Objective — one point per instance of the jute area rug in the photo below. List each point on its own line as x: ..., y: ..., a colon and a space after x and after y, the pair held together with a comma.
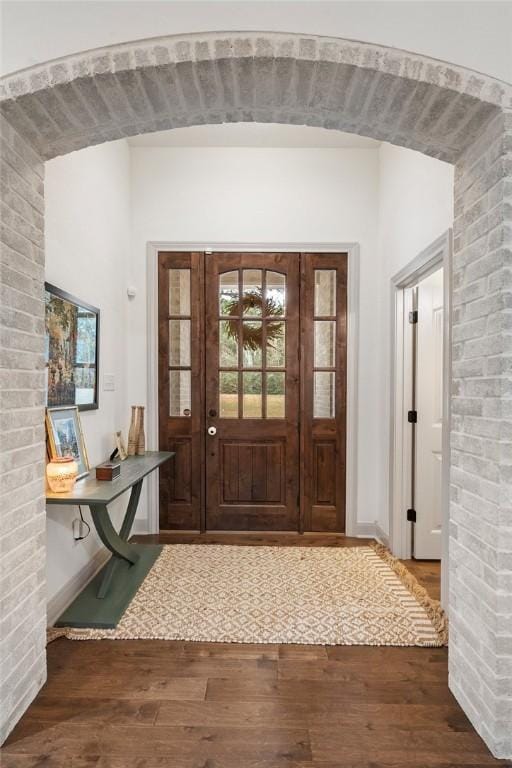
x: 318, y: 596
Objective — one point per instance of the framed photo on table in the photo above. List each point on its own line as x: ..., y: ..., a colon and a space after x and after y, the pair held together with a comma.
x: 72, y: 330
x: 65, y: 436
x: 120, y: 446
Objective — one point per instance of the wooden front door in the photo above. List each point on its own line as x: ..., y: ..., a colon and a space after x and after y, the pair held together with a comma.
x: 252, y: 391
x: 252, y: 370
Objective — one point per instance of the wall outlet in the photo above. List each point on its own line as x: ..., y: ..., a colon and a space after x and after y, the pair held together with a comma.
x: 109, y: 382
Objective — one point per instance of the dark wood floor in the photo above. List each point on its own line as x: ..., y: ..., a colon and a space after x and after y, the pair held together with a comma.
x: 155, y: 704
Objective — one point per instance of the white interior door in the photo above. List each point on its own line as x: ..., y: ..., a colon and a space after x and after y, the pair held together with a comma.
x: 429, y: 428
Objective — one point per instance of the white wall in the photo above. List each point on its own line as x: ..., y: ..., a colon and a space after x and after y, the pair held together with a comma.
x: 415, y: 204
x: 415, y: 207
x: 473, y: 34
x: 87, y: 243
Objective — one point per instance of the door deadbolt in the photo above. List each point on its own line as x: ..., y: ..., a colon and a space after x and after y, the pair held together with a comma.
x: 212, y: 431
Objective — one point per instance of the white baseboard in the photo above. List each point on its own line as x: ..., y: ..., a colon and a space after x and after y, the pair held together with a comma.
x: 365, y: 531
x: 140, y: 526
x: 381, y: 537
x: 372, y: 531
x: 65, y: 596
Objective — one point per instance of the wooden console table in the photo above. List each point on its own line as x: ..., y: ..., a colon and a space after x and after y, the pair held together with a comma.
x: 104, y: 600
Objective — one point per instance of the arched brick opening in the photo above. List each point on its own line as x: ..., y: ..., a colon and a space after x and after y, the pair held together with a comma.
x: 213, y: 78
x: 442, y: 110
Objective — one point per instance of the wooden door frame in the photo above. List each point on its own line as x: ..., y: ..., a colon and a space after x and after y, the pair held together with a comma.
x: 437, y: 254
x: 151, y: 503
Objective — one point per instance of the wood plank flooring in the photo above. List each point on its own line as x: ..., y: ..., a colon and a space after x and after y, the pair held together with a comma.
x: 157, y: 704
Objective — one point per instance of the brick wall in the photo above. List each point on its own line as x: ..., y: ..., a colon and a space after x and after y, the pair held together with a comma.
x: 481, y: 471
x: 22, y: 516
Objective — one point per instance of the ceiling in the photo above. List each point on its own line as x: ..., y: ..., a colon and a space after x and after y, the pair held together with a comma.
x: 253, y: 135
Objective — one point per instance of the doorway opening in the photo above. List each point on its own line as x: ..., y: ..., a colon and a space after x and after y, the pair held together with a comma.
x: 427, y: 418
x: 253, y: 390
x: 420, y: 406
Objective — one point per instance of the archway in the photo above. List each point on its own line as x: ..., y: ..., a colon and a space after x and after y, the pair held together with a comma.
x: 172, y: 82
x: 441, y: 110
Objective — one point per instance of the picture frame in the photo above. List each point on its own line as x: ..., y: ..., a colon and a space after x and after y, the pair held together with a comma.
x: 72, y: 332
x: 65, y: 436
x: 120, y: 445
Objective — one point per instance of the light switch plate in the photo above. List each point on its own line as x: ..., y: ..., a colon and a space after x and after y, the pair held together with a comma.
x: 109, y: 382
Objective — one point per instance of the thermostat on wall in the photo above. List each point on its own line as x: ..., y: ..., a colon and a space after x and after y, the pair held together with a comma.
x: 131, y: 291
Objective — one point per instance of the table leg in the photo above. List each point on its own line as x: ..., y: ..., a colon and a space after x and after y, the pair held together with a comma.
x: 118, y: 539
x: 103, y: 601
x: 133, y: 503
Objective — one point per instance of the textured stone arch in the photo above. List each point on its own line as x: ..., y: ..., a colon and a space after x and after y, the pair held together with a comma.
x: 171, y: 82
x: 442, y: 110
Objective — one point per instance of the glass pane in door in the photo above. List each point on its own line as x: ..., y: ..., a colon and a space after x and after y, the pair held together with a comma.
x: 325, y: 343
x: 179, y: 342
x: 228, y: 294
x: 252, y: 342
x: 180, y: 393
x: 179, y: 292
x: 228, y: 395
x: 228, y: 343
x: 324, y: 395
x: 325, y: 292
x: 276, y: 345
x: 276, y: 404
x: 275, y: 293
x: 252, y: 292
x: 252, y: 395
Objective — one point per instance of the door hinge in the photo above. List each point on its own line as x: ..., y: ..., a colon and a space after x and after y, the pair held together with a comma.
x: 412, y: 417
x: 411, y: 515
x: 413, y: 316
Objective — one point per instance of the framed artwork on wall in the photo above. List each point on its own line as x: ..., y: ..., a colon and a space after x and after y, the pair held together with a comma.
x: 72, y: 330
x: 65, y: 436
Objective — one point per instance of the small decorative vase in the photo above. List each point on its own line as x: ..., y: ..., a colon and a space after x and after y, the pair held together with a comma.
x: 61, y: 474
x: 141, y: 442
x: 133, y: 434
